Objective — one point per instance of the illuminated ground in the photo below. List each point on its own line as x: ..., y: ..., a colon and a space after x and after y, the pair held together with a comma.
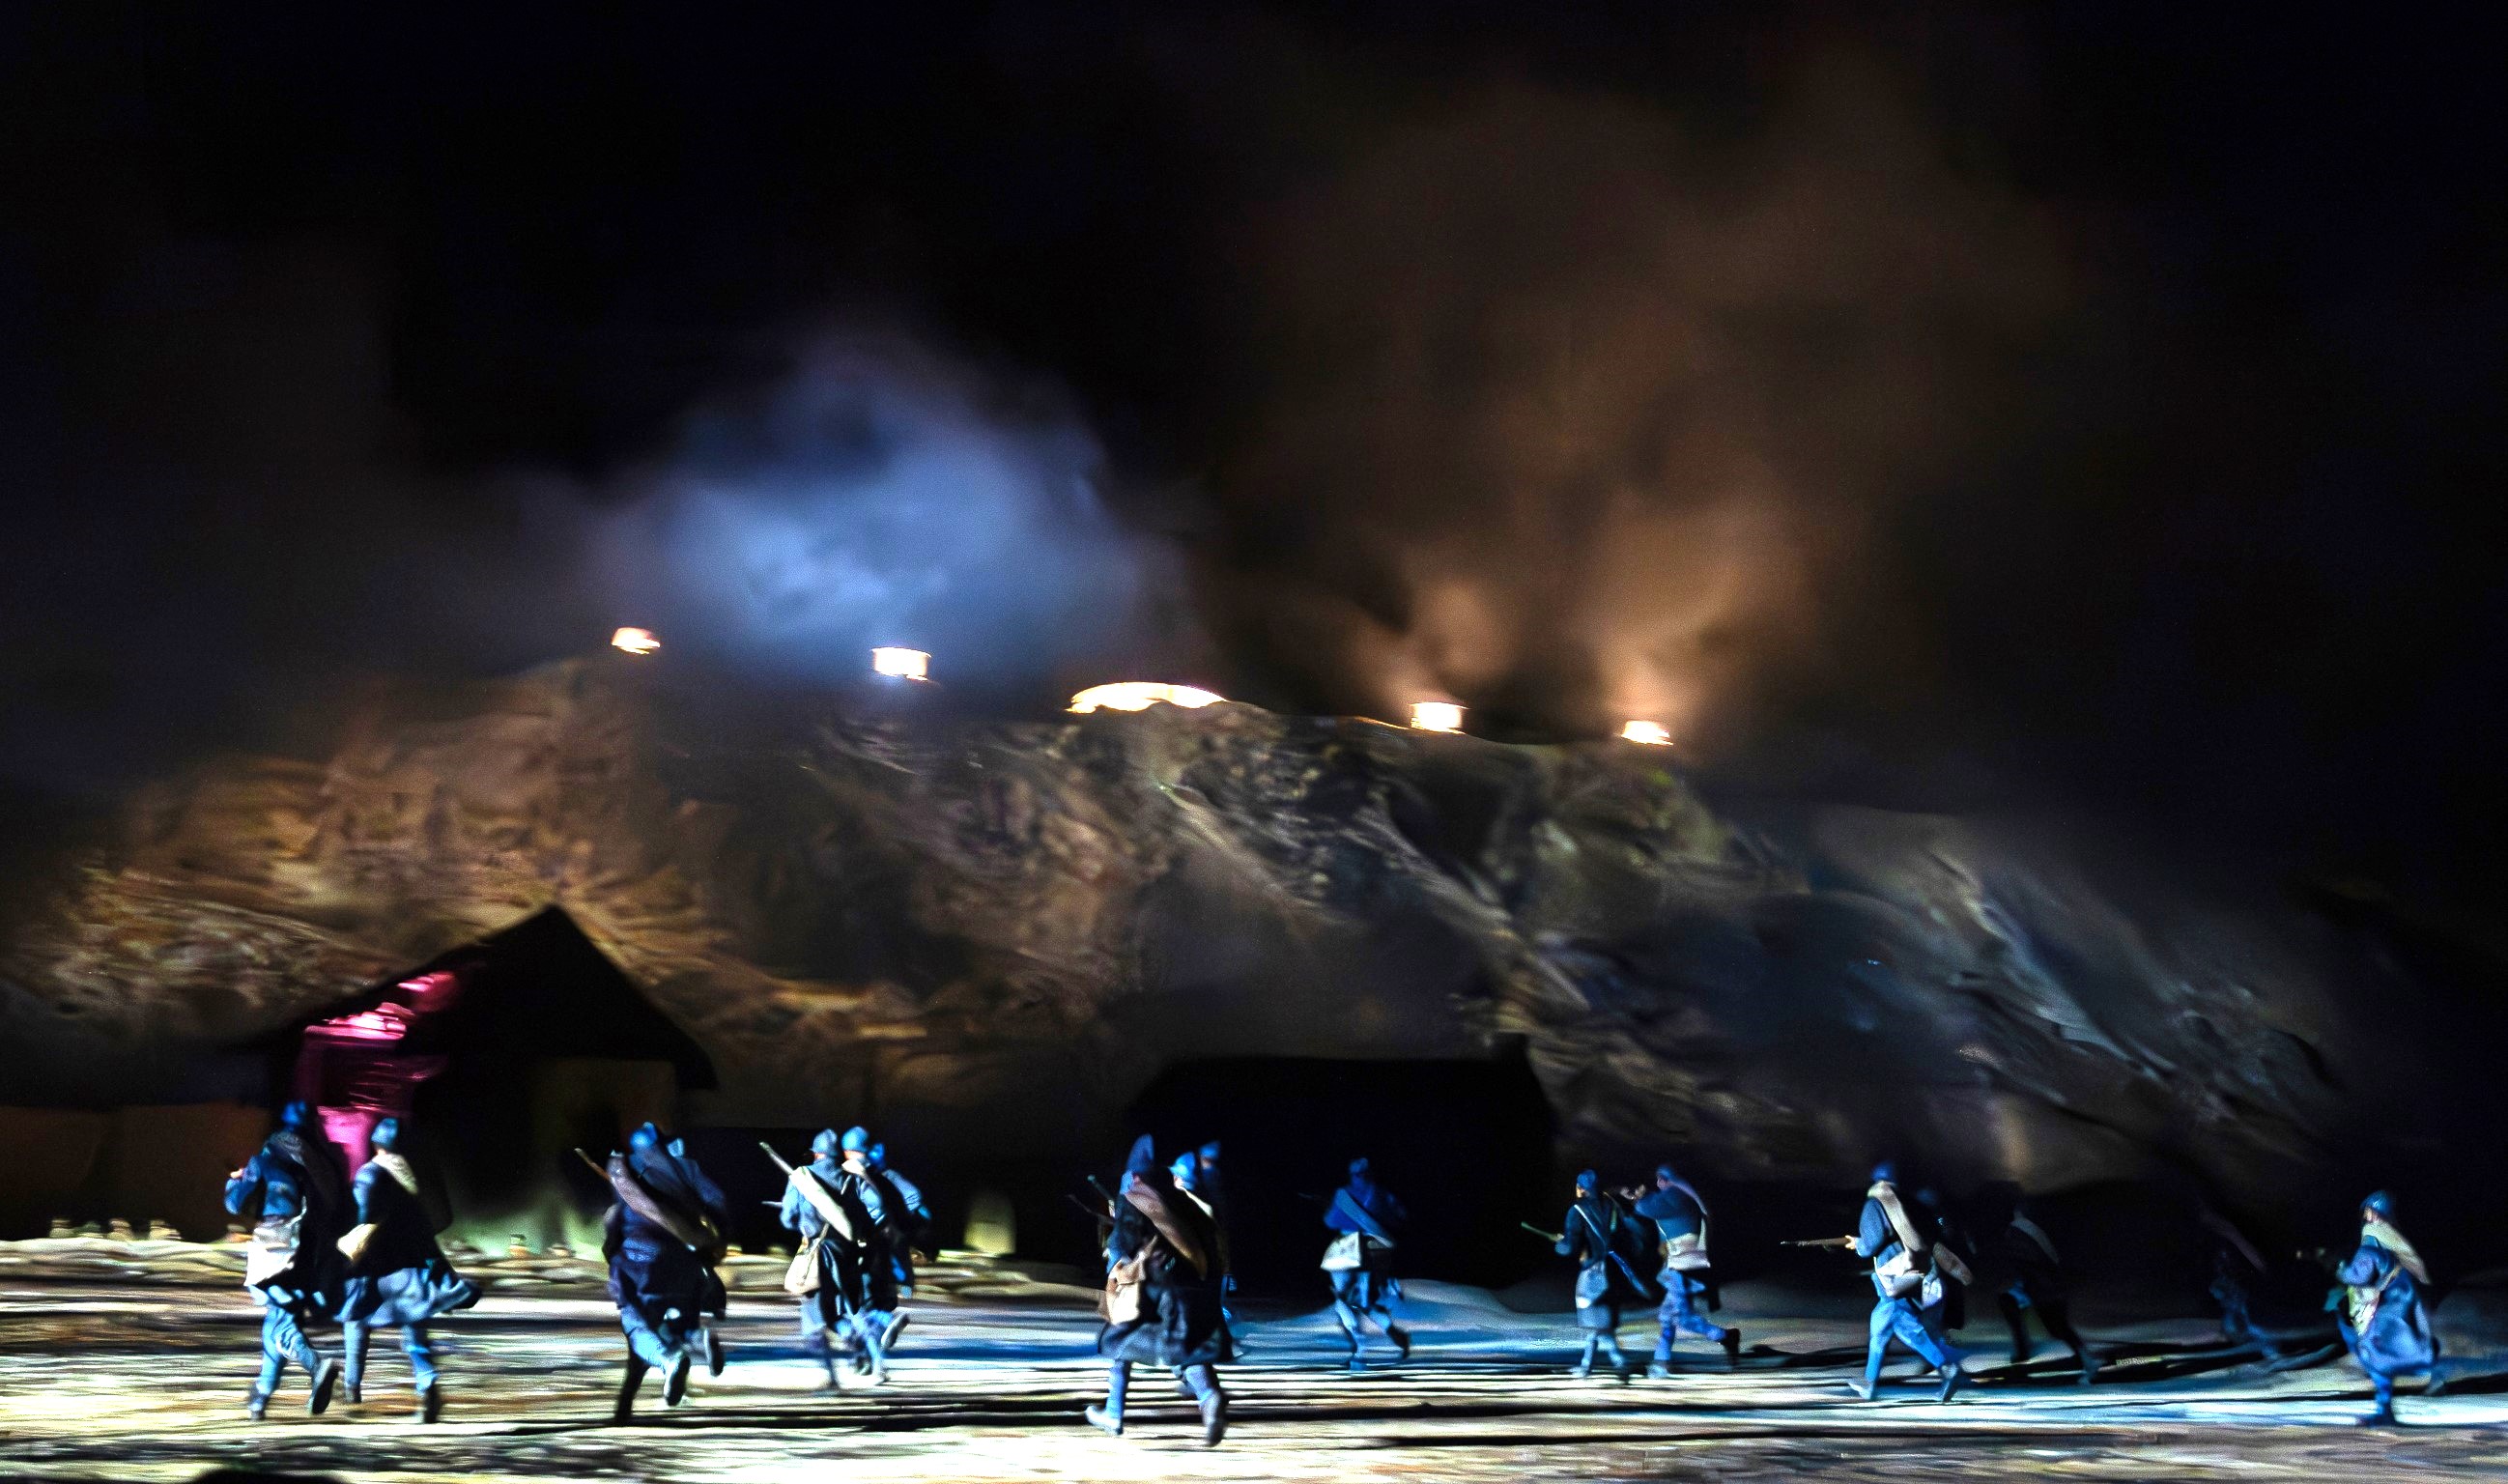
x: 108, y: 1379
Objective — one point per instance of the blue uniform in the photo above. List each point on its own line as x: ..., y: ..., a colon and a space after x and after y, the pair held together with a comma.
x: 2379, y: 1311
x: 1895, y: 1315
x: 855, y: 1288
x: 1677, y: 1214
x: 401, y: 1276
x: 1368, y: 1217
x: 293, y: 1188
x: 1167, y: 1246
x: 664, y: 1288
x: 1596, y: 1236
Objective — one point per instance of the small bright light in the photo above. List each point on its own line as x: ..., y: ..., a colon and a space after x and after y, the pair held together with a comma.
x: 1651, y: 734
x: 1436, y: 716
x: 635, y: 640
x: 904, y: 664
x: 1140, y: 695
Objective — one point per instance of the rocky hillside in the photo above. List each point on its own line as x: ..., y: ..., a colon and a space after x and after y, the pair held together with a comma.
x: 1000, y: 932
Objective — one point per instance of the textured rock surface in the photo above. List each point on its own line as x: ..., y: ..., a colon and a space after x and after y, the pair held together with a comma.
x: 1000, y: 932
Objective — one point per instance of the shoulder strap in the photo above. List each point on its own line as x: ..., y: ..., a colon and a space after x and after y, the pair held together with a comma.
x: 638, y: 1195
x: 1148, y: 1203
x: 823, y: 1201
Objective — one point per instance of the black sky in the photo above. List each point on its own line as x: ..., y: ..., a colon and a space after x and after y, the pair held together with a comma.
x: 2123, y: 384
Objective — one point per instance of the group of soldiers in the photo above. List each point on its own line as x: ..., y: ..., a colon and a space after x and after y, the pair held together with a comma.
x: 362, y: 1251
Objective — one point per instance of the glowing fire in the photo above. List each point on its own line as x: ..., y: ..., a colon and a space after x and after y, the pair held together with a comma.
x: 1651, y: 734
x: 1140, y: 695
x: 635, y: 640
x: 1436, y: 716
x: 902, y: 664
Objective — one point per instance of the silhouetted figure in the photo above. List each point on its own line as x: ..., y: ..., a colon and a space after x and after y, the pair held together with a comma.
x: 1679, y: 1220
x: 1163, y: 1295
x: 907, y: 1227
x: 293, y: 1188
x: 662, y: 1237
x: 2236, y: 1266
x: 1596, y: 1235
x: 841, y: 1274
x: 1368, y: 1216
x: 2020, y: 1261
x: 2378, y: 1307
x: 1902, y: 1267
x: 397, y: 1273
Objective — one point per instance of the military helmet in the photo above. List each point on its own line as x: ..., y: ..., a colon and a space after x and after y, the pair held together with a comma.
x: 823, y: 1142
x: 1885, y: 1172
x: 298, y: 1114
x: 387, y: 1135
x: 857, y: 1140
x: 2380, y: 1201
x: 644, y: 1137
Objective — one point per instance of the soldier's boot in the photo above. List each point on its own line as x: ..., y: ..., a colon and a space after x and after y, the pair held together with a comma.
x: 430, y: 1403
x: 1619, y: 1362
x: 896, y: 1327
x: 713, y: 1351
x: 1108, y: 1418
x: 256, y: 1404
x: 628, y: 1385
x: 352, y: 1356
x: 877, y: 1356
x: 1953, y: 1378
x: 1584, y: 1365
x: 326, y: 1380
x: 674, y: 1381
x: 1351, y: 1335
x: 1658, y: 1369
x: 2090, y: 1365
x: 1400, y: 1337
x: 1732, y: 1343
x: 1204, y: 1382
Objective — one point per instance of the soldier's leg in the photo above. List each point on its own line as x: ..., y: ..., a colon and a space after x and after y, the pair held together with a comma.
x: 2017, y: 1320
x: 2385, y: 1413
x: 274, y: 1363
x: 637, y: 1367
x: 2058, y: 1315
x: 1910, y: 1329
x: 1609, y: 1336
x: 1877, y: 1346
x: 324, y: 1374
x: 1584, y: 1365
x: 1203, y: 1381
x: 1379, y: 1304
x: 1109, y: 1417
x: 353, y: 1335
x: 644, y: 1341
x: 419, y: 1347
x: 866, y: 1326
x: 816, y: 1338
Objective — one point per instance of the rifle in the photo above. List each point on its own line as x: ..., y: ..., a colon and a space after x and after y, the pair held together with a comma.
x: 1538, y: 1232
x: 1845, y: 1243
x: 595, y: 1166
x: 777, y: 1157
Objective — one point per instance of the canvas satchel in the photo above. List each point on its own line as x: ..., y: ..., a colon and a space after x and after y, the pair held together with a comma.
x: 1126, y: 1283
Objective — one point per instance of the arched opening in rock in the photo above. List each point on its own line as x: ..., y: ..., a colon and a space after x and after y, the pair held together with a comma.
x: 1465, y: 1144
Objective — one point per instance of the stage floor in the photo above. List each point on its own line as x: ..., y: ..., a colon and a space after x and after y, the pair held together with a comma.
x: 104, y: 1380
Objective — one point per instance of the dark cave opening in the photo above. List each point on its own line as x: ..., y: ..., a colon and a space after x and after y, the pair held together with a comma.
x: 1465, y: 1144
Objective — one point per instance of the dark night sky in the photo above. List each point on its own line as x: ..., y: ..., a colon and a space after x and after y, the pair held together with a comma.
x: 1956, y: 407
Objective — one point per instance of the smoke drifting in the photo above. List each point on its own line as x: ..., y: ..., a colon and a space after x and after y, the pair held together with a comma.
x: 881, y: 496
x: 1578, y: 417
